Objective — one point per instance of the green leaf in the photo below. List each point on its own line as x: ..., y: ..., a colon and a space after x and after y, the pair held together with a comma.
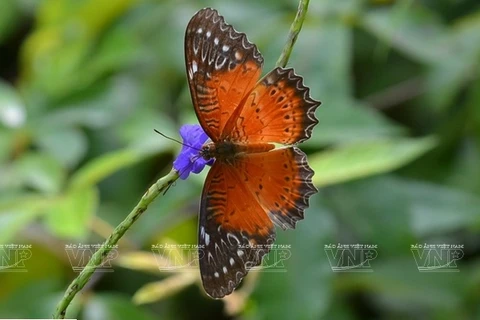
x: 322, y: 57
x: 17, y: 212
x: 448, y: 75
x: 139, y: 132
x: 404, y: 27
x: 64, y: 42
x: 439, y: 209
x: 41, y: 172
x: 160, y: 290
x: 118, y: 49
x: 344, y: 8
x: 41, y: 291
x: 410, y: 289
x: 406, y: 210
x: 71, y: 216
x: 349, y: 121
x: 364, y: 159
x: 324, y: 61
x: 452, y: 53
x: 98, y: 169
x: 105, y: 104
x: 370, y: 217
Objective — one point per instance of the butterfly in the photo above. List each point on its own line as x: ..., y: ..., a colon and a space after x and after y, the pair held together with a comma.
x: 259, y: 178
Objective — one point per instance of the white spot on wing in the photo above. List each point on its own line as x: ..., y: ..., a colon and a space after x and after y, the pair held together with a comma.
x: 232, y: 262
x: 238, y: 55
x: 215, y: 40
x: 209, y: 34
x: 216, y: 275
x: 225, y: 48
x: 200, y: 30
x: 194, y: 66
x: 207, y: 239
x: 224, y: 270
x: 240, y: 253
x: 205, y: 235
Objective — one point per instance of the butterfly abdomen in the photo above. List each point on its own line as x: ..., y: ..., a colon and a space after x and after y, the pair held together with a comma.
x: 254, y: 148
x: 228, y: 151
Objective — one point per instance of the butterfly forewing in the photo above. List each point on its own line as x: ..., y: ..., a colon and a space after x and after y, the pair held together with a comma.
x: 222, y: 68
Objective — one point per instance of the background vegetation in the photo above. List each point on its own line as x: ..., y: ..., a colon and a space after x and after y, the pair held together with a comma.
x: 396, y: 155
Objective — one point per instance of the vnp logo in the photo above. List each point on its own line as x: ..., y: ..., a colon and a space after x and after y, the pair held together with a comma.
x: 13, y: 257
x: 351, y: 257
x: 437, y: 257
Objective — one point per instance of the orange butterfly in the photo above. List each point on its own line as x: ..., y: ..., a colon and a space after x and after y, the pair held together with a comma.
x: 259, y: 177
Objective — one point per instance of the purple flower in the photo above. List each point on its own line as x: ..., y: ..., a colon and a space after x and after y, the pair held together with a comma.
x: 189, y: 159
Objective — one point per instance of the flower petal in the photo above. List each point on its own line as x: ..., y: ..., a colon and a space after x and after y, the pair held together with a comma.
x: 189, y: 159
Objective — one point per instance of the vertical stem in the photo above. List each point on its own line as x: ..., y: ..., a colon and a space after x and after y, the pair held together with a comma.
x: 293, y: 34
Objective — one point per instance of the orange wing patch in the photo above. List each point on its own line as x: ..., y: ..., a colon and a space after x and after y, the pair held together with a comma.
x: 228, y: 201
x: 279, y: 109
x: 219, y: 95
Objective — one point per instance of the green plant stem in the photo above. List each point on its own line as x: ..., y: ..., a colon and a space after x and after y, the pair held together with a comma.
x: 96, y: 260
x: 293, y: 33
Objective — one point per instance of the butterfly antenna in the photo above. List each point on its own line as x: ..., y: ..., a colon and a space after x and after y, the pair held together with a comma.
x: 177, y: 141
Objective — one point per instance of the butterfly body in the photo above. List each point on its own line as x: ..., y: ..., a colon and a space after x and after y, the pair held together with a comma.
x: 259, y: 179
x: 228, y: 151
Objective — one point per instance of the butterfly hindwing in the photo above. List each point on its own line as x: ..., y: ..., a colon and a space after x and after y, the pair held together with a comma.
x: 239, y: 203
x: 235, y: 230
x: 222, y: 68
x: 281, y: 181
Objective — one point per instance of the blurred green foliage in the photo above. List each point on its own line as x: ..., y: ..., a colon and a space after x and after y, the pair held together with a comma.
x: 396, y: 155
